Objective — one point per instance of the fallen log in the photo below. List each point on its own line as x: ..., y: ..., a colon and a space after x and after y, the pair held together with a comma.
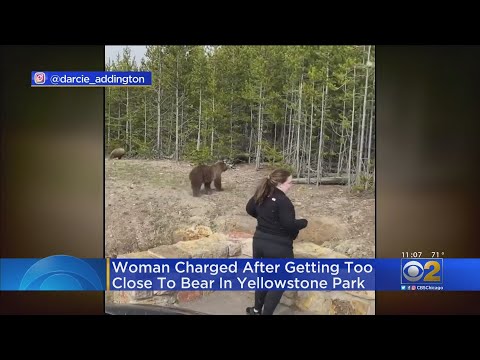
x: 323, y: 181
x: 327, y: 175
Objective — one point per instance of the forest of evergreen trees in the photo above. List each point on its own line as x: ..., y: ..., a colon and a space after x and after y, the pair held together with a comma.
x: 308, y: 108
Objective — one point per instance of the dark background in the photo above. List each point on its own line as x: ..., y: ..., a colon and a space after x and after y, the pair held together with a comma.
x: 427, y: 165
x: 52, y: 172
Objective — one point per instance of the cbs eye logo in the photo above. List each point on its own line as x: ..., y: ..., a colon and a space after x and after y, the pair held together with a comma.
x: 420, y: 271
x: 61, y: 272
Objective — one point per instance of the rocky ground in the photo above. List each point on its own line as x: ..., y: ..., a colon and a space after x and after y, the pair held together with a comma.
x: 151, y: 213
x: 147, y: 202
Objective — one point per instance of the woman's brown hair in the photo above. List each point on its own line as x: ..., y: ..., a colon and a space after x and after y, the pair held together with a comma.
x: 268, y: 185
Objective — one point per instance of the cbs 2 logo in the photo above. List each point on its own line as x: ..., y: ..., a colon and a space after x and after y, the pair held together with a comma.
x: 414, y: 271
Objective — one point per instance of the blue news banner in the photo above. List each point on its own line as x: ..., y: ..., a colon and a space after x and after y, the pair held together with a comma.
x: 90, y: 78
x: 67, y: 273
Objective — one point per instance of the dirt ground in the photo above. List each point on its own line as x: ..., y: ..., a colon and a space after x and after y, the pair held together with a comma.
x: 147, y: 200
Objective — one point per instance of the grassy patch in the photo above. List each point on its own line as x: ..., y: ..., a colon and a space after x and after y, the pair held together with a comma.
x: 144, y: 174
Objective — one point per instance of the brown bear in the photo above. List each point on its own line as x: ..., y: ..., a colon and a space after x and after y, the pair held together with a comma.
x: 204, y: 174
x: 117, y: 153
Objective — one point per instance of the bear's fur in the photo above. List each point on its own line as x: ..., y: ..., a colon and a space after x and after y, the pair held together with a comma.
x: 205, y: 174
x: 117, y: 153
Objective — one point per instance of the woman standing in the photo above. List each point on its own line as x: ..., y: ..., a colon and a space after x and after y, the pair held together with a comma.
x: 276, y: 229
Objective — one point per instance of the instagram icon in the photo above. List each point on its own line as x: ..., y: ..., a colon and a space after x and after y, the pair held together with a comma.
x: 39, y: 78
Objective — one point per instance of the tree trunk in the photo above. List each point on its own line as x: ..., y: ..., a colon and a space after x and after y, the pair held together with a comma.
x: 274, y: 135
x: 182, y: 123
x: 342, y: 142
x: 299, y: 116
x: 320, y: 141
x: 130, y: 134
x: 211, y: 141
x: 332, y: 141
x: 290, y: 130
x: 284, y: 126
x: 145, y: 123
x: 251, y: 135
x: 176, y: 115
x: 213, y: 125
x: 172, y: 115
x: 119, y: 124
x: 109, y: 116
x: 372, y: 109
x: 231, y: 128
x: 259, y: 132
x: 351, y: 133
x: 304, y: 156
x: 369, y: 150
x: 310, y: 138
x: 359, y: 158
x: 128, y: 127
x: 370, y: 138
x: 374, y: 177
x: 199, y: 121
x: 159, y: 116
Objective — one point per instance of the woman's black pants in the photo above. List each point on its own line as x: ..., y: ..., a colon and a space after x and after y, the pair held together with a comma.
x: 274, y: 247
